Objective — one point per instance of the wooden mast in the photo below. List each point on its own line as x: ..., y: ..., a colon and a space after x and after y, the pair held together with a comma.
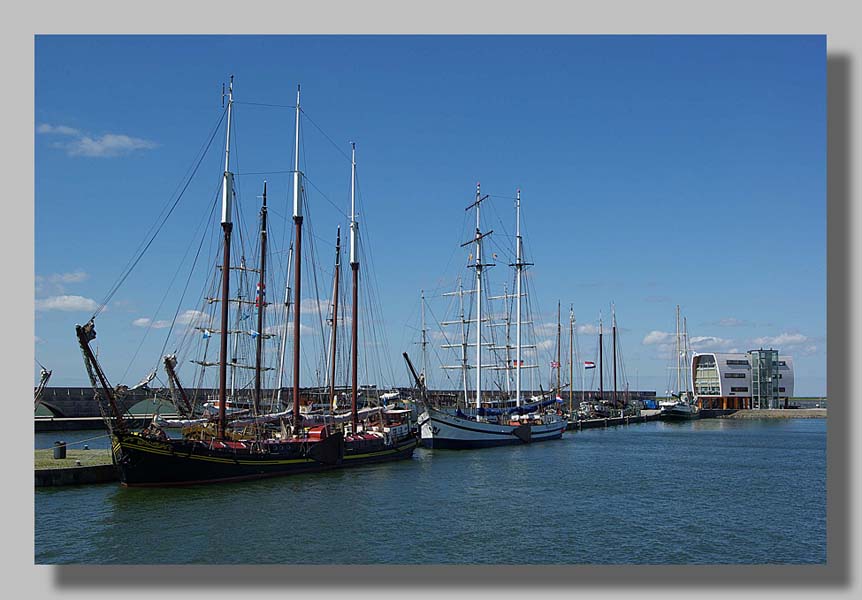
x: 558, y: 349
x: 297, y: 219
x: 260, y: 300
x: 354, y: 267
x: 332, y: 401
x: 227, y: 227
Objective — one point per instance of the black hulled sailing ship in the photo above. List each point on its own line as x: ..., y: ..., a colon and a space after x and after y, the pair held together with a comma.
x: 246, y: 442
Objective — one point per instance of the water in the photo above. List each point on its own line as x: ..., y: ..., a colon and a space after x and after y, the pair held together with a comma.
x: 714, y: 491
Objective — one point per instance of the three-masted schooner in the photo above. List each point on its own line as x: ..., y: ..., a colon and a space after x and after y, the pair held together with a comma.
x: 489, y: 424
x: 240, y: 443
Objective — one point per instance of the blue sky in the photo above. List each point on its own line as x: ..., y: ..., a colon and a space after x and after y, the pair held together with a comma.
x: 654, y: 171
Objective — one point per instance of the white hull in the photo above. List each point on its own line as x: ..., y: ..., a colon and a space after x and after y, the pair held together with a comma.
x: 442, y: 430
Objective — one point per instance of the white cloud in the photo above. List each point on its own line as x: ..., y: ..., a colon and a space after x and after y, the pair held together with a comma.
x: 195, y: 317
x: 55, y: 282
x: 657, y: 337
x: 709, y: 342
x: 588, y: 329
x: 57, y: 129
x: 108, y: 145
x: 546, y: 345
x: 67, y: 303
x: 732, y: 322
x: 314, y: 306
x: 784, y: 339
x: 103, y: 146
x: 145, y: 322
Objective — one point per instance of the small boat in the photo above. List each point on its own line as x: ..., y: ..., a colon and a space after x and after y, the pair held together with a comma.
x: 488, y: 423
x: 681, y: 407
x: 237, y: 439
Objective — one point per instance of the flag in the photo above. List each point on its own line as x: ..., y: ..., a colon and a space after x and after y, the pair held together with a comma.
x: 261, y: 292
x: 207, y: 334
x: 588, y: 364
x: 555, y: 364
x: 253, y: 334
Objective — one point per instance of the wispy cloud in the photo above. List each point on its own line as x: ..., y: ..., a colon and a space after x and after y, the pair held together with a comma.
x: 588, y: 329
x: 55, y: 283
x: 66, y: 303
x: 195, y: 318
x: 101, y: 146
x: 710, y: 342
x: 656, y: 337
x: 784, y: 339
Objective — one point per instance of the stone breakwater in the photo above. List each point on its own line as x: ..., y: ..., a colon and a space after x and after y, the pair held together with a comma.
x: 790, y: 413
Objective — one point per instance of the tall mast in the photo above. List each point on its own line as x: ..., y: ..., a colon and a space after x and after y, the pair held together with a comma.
x: 678, y: 370
x: 333, y: 340
x: 424, y: 340
x: 571, y: 357
x: 354, y: 267
x: 463, y: 341
x: 558, y: 348
x: 283, y: 352
x: 519, y: 265
x: 260, y: 300
x: 601, y: 368
x: 227, y: 227
x: 685, y: 353
x: 297, y: 268
x: 614, y: 331
x: 479, y: 267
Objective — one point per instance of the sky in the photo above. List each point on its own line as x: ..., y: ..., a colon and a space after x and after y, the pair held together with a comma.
x: 654, y: 171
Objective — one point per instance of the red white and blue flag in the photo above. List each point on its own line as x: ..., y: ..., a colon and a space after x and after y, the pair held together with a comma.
x: 555, y: 364
x: 588, y: 364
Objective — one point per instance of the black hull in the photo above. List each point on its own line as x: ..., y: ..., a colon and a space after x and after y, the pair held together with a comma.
x: 145, y: 462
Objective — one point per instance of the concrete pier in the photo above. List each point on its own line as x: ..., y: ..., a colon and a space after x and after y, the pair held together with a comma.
x: 79, y: 467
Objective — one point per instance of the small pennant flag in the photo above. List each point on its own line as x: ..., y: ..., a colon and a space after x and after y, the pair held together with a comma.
x: 555, y: 364
x: 253, y: 334
x: 588, y: 364
x: 207, y: 334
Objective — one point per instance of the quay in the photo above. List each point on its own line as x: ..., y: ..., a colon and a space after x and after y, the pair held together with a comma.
x: 76, y: 468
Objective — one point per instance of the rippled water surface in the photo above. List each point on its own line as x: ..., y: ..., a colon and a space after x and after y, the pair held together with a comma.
x: 711, y: 491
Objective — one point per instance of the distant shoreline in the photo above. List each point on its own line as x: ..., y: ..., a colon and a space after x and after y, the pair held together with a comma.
x: 778, y: 413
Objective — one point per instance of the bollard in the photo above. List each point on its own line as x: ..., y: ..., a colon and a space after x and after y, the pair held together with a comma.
x: 59, y: 449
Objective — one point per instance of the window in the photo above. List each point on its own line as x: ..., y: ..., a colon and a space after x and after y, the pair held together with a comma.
x: 739, y: 389
x: 782, y: 363
x: 781, y: 389
x: 737, y: 363
x: 734, y: 375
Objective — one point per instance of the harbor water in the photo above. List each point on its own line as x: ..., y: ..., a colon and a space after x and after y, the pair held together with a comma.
x: 712, y: 491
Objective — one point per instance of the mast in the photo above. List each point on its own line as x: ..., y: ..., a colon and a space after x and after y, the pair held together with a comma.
x: 614, y: 331
x: 571, y: 357
x: 227, y: 227
x: 297, y: 267
x: 685, y: 354
x: 678, y: 370
x: 463, y: 342
x: 601, y: 374
x: 354, y: 267
x: 260, y: 300
x: 424, y: 340
x: 283, y: 351
x: 334, y: 319
x: 519, y: 265
x: 558, y: 349
x: 479, y: 267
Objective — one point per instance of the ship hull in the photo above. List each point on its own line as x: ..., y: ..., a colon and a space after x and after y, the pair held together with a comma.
x: 677, y: 413
x: 440, y: 430
x: 146, y: 462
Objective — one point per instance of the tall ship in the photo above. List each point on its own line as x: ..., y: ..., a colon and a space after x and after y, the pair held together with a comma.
x: 483, y: 421
x: 248, y: 430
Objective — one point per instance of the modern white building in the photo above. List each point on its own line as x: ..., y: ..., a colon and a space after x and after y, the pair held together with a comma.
x: 756, y: 379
